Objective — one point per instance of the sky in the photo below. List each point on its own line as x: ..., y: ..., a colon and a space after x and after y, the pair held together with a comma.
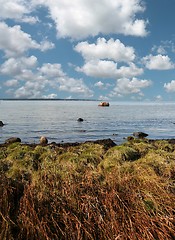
x: 109, y: 50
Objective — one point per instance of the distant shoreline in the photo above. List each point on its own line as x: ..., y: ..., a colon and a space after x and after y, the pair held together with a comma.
x: 46, y: 99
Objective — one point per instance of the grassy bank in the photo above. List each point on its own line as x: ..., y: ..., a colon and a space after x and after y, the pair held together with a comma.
x: 88, y: 191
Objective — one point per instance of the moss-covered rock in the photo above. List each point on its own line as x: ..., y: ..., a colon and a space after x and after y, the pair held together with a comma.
x: 117, y: 155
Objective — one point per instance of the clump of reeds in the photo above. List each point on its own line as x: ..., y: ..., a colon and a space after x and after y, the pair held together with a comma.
x: 86, y: 192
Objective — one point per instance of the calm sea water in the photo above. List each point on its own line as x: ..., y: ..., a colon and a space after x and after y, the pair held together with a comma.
x: 57, y: 120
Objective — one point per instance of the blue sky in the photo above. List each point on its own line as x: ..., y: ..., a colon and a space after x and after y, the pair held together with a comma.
x: 121, y: 50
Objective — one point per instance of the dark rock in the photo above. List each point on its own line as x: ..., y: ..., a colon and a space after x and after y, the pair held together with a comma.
x: 82, y: 130
x: 106, y: 143
x: 80, y: 120
x: 1, y: 124
x: 43, y: 140
x: 13, y: 140
x: 171, y: 141
x: 140, y: 134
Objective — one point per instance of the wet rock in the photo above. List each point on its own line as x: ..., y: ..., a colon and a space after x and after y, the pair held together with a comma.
x: 43, y: 140
x: 13, y: 140
x: 80, y: 120
x: 1, y: 124
x: 103, y: 104
x: 140, y: 134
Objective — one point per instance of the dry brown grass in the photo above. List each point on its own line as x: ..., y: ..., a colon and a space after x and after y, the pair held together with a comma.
x: 74, y: 195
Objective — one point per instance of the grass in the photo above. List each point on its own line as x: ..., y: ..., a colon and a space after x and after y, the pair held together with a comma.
x: 88, y: 191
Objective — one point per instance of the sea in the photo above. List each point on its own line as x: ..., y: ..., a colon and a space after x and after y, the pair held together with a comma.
x: 57, y: 120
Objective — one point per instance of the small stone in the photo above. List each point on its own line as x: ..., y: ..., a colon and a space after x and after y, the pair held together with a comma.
x: 43, y: 140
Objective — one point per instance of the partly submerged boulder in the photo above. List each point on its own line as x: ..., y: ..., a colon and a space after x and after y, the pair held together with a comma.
x: 103, y: 104
x: 140, y: 134
x: 1, y: 124
x: 80, y: 120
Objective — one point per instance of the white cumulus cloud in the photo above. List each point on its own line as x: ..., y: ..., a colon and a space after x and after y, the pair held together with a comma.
x: 125, y: 86
x: 28, y: 81
x: 31, y: 89
x: 99, y: 84
x: 112, y: 49
x: 52, y: 70
x: 109, y: 69
x: 102, y: 59
x: 14, y: 9
x: 79, y: 19
x: 99, y: 68
x: 50, y: 96
x: 158, y: 62
x: 74, y: 86
x: 18, y: 10
x: 14, y: 42
x: 11, y: 83
x: 17, y: 66
x: 170, y: 87
x: 46, y: 45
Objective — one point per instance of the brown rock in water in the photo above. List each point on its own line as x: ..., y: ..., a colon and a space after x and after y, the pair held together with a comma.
x: 103, y: 104
x: 43, y: 140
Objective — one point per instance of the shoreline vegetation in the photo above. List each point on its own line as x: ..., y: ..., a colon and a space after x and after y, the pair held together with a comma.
x: 95, y: 190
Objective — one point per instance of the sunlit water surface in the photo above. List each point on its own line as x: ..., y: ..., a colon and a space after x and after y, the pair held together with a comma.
x: 57, y: 120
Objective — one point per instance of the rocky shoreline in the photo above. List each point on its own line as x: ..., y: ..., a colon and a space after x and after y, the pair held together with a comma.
x: 107, y: 142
